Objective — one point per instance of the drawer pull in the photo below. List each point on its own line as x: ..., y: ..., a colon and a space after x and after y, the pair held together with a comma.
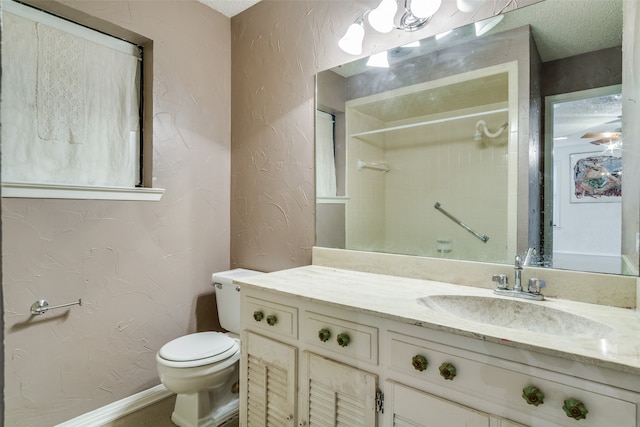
x: 343, y: 340
x: 447, y: 371
x: 533, y: 396
x: 272, y: 319
x: 575, y: 409
x: 324, y: 335
x: 419, y: 362
x: 258, y: 316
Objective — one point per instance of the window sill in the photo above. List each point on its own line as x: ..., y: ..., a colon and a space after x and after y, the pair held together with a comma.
x: 48, y: 191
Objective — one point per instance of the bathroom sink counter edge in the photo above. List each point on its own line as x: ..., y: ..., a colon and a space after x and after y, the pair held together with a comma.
x: 402, y: 299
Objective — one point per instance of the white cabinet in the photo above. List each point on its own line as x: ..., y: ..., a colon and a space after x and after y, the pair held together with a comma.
x: 308, y: 363
x: 413, y: 408
x: 335, y: 394
x: 268, y: 376
x: 409, y: 407
x: 502, y: 387
x: 278, y: 371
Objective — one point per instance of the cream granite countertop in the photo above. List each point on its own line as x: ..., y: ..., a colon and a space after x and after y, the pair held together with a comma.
x: 397, y: 298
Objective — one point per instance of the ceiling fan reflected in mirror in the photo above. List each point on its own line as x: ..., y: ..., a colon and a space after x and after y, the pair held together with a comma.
x: 604, y: 137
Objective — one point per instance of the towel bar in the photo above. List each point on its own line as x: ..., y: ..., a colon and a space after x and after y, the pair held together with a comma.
x: 42, y: 306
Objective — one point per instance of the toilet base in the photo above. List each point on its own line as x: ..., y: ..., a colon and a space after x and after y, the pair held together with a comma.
x: 192, y: 410
x: 195, y: 409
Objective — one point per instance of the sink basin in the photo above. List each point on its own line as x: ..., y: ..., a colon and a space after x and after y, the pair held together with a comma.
x: 517, y: 314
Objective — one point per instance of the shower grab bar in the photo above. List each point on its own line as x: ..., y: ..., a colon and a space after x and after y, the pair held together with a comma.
x: 42, y: 306
x: 460, y: 223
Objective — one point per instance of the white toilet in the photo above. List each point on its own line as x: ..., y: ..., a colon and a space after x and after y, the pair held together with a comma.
x: 202, y: 368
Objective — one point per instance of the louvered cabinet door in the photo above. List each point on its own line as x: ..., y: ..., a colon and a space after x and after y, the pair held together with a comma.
x: 268, y: 378
x: 336, y: 395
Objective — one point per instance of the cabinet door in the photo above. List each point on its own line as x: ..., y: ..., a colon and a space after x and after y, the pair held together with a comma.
x: 408, y: 407
x: 501, y: 422
x: 268, y: 382
x: 335, y: 394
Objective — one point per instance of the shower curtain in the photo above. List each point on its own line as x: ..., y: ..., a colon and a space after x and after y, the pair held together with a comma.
x: 325, y: 156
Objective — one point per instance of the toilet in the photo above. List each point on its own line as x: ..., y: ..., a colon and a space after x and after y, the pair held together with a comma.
x: 202, y: 368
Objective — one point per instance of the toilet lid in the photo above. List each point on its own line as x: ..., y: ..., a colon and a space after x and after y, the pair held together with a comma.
x: 196, y: 346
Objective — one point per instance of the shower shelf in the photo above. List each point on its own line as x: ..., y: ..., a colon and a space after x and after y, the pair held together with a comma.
x: 428, y: 122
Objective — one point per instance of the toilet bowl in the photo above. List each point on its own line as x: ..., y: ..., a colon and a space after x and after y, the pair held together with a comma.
x: 203, y: 368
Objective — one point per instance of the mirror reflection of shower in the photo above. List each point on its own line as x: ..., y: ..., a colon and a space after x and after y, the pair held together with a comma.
x: 483, y: 131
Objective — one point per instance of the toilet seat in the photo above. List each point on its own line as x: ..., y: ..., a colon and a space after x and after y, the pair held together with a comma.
x: 199, y: 349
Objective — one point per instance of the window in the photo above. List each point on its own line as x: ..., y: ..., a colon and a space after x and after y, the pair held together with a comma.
x: 71, y: 110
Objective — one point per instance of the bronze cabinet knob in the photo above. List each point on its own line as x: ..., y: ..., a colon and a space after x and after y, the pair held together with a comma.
x: 447, y: 371
x: 419, y: 362
x: 533, y: 396
x: 575, y: 409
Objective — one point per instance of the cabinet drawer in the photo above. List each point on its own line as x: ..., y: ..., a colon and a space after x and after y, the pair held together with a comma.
x: 272, y: 317
x: 341, y: 336
x: 505, y: 387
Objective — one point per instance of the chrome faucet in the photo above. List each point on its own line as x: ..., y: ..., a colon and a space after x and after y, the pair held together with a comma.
x: 533, y: 290
x: 517, y: 286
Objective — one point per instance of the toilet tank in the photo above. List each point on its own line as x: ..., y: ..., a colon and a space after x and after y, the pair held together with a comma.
x: 228, y: 297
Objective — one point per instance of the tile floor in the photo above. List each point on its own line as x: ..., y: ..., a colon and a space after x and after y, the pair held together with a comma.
x: 156, y: 415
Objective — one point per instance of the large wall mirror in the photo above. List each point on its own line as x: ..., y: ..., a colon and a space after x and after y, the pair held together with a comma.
x: 479, y: 146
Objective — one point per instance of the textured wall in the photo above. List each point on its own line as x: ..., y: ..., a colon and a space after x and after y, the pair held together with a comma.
x: 277, y: 47
x: 143, y: 269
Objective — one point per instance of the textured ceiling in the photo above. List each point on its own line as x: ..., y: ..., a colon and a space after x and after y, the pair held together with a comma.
x: 563, y: 28
x: 229, y: 7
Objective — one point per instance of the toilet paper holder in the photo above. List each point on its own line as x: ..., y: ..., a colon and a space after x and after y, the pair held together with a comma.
x: 42, y: 306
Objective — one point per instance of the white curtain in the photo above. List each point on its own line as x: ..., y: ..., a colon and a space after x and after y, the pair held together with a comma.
x: 70, y: 104
x: 325, y: 156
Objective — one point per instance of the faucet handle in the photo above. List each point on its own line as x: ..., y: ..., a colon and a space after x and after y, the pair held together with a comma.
x: 502, y: 281
x: 535, y: 285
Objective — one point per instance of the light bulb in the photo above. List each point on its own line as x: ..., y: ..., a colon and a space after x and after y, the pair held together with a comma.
x: 351, y: 42
x: 379, y: 60
x: 483, y: 27
x: 425, y: 8
x: 467, y: 6
x: 381, y: 18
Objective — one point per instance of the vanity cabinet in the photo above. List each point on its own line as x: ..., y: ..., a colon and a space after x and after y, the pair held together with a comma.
x: 336, y: 394
x: 306, y: 362
x: 278, y: 371
x: 415, y: 408
x: 504, y: 388
x: 270, y: 382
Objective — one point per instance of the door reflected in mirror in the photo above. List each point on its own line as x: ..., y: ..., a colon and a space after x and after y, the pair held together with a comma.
x: 584, y: 132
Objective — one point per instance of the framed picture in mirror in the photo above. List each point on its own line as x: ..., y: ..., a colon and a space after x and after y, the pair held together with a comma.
x: 596, y: 177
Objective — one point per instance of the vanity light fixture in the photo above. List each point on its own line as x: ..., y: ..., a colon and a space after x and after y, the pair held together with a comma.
x: 443, y: 35
x: 484, y: 26
x: 379, y: 60
x: 412, y: 44
x: 351, y: 42
x: 381, y: 18
x: 415, y: 15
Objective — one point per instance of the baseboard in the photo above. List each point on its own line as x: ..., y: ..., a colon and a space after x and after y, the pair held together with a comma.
x: 119, y: 409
